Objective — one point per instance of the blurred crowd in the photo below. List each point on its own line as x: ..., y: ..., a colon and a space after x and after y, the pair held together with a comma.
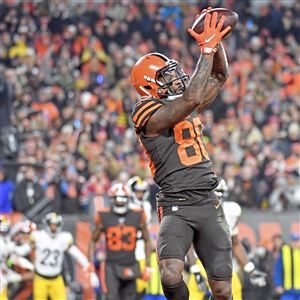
x: 66, y: 98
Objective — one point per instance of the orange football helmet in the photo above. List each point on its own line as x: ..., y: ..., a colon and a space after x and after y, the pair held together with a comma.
x: 148, y: 75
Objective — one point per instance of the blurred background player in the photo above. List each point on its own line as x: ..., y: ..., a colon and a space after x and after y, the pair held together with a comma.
x: 232, y: 212
x: 140, y: 196
x: 140, y: 199
x: 8, y: 257
x: 49, y: 245
x: 20, y: 236
x: 120, y: 225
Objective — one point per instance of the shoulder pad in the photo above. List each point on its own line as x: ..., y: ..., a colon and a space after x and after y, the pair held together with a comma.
x: 67, y: 237
x: 143, y: 111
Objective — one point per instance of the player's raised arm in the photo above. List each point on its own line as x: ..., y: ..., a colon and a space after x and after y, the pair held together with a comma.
x: 218, y: 77
x: 169, y: 80
x: 171, y: 113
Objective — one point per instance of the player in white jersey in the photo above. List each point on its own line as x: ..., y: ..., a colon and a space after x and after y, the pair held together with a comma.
x: 140, y: 196
x: 139, y: 199
x: 49, y: 246
x: 9, y: 254
x: 233, y: 211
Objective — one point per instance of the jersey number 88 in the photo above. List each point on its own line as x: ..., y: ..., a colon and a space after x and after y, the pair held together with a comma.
x: 193, y: 140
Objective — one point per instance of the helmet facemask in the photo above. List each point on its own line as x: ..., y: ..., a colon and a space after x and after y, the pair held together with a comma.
x: 53, y: 219
x: 141, y: 192
x: 154, y: 74
x: 139, y: 189
x: 119, y: 195
x: 166, y: 76
x: 120, y: 205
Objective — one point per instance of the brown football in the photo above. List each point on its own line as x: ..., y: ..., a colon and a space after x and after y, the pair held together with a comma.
x: 231, y: 19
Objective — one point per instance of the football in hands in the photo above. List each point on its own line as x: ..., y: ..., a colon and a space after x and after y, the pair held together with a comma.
x: 231, y: 19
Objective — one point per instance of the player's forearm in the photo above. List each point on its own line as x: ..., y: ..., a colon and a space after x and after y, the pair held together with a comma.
x: 79, y: 256
x: 220, y: 65
x: 148, y: 253
x: 195, y: 91
x: 177, y: 110
x: 21, y: 262
x: 22, y: 250
x: 239, y: 252
x: 219, y: 75
x: 148, y: 248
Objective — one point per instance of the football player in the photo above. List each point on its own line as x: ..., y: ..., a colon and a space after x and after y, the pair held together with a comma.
x: 232, y: 212
x: 140, y: 199
x: 8, y: 257
x: 140, y: 196
x: 167, y: 123
x: 20, y: 235
x: 120, y: 225
x: 49, y: 245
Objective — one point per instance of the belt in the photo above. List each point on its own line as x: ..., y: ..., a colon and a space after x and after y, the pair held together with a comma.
x: 47, y: 277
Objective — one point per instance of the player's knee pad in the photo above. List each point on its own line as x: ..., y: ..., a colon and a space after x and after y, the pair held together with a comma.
x: 221, y: 271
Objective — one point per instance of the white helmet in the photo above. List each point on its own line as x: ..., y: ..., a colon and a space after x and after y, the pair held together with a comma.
x: 120, y: 195
x: 139, y: 188
x: 53, y: 218
x: 222, y: 189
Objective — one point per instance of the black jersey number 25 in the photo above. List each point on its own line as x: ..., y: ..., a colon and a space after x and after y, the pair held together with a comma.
x: 50, y: 257
x: 193, y: 140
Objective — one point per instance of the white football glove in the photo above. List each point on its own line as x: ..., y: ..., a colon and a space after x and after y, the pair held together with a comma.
x: 256, y: 277
x: 94, y: 280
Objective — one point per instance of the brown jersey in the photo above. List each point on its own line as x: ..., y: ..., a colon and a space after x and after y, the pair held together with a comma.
x: 178, y: 159
x: 121, y: 234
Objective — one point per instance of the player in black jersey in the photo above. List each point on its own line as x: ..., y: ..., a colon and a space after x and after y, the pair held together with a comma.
x: 120, y: 225
x: 167, y: 123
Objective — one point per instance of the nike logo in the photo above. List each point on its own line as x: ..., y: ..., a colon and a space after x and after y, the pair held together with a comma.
x: 218, y: 205
x: 208, y: 40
